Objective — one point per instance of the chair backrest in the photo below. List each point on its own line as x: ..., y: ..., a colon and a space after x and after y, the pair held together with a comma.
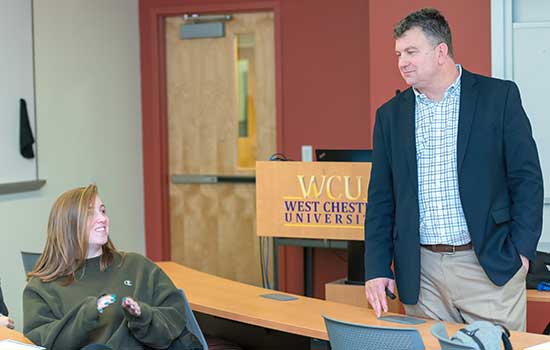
x: 192, y: 323
x: 346, y: 336
x: 29, y: 260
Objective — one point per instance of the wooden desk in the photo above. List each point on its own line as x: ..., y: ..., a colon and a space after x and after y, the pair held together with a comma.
x: 13, y: 335
x: 232, y: 300
x: 535, y: 295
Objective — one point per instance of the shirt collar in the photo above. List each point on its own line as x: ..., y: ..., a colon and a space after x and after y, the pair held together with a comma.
x: 453, y: 89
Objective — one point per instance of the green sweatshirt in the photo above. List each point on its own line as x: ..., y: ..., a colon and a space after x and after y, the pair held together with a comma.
x: 66, y: 317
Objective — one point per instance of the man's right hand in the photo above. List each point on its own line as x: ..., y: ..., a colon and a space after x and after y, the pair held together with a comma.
x: 375, y: 290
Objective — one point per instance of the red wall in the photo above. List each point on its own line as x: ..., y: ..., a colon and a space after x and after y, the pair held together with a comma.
x: 537, y: 316
x: 325, y: 66
x: 325, y: 73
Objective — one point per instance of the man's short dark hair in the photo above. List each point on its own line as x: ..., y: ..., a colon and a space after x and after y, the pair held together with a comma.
x: 431, y: 22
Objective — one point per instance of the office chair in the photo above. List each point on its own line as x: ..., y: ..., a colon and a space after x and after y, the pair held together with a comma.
x: 29, y: 260
x: 192, y: 323
x: 347, y: 336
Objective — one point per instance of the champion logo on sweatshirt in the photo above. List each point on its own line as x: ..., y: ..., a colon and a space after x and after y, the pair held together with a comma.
x: 128, y: 283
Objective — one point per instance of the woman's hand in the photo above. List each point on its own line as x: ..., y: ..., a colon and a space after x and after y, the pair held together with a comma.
x: 5, y: 321
x: 104, y: 301
x: 131, y: 306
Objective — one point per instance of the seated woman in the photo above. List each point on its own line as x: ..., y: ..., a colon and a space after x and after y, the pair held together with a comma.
x: 83, y: 291
x: 5, y: 321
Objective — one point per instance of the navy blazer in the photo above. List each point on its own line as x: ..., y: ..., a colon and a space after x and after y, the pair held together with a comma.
x: 499, y: 179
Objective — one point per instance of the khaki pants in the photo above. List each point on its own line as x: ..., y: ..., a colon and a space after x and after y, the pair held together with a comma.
x: 454, y: 287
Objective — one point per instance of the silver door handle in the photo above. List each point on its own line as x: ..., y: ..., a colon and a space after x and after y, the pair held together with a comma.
x: 212, y: 179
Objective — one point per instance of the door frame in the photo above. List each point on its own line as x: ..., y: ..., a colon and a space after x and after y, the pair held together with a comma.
x: 502, y: 39
x: 154, y: 106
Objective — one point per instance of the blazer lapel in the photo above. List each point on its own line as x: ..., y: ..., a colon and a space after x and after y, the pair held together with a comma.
x: 408, y: 119
x: 468, y: 98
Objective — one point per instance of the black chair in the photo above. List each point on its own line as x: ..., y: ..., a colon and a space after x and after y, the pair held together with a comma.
x: 350, y: 336
x: 29, y: 260
x: 192, y: 323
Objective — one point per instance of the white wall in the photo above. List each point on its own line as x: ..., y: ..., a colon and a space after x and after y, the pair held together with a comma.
x: 519, y: 53
x: 88, y: 127
x: 16, y: 70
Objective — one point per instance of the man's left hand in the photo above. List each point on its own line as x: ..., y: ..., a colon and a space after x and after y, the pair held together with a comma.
x: 524, y: 262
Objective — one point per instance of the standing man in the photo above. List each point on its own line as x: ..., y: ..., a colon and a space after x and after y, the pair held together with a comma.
x: 456, y: 194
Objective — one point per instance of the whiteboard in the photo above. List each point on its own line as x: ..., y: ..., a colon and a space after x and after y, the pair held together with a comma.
x: 531, y: 67
x: 16, y: 82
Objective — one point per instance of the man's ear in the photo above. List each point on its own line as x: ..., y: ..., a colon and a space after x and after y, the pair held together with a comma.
x: 442, y: 51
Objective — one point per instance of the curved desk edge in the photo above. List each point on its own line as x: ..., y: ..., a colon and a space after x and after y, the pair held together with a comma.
x: 237, y: 301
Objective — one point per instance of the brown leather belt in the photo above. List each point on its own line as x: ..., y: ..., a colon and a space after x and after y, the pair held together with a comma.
x: 444, y: 248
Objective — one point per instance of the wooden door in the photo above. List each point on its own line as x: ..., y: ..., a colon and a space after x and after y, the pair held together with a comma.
x: 213, y: 225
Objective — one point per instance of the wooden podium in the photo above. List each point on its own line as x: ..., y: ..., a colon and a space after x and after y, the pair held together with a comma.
x: 316, y: 200
x: 313, y: 205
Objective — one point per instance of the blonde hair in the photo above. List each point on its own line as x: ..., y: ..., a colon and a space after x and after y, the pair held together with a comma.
x: 67, y: 242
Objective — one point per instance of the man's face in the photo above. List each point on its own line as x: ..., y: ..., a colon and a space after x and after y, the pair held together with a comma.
x: 417, y: 58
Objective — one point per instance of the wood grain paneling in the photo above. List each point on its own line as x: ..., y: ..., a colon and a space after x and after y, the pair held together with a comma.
x: 213, y: 225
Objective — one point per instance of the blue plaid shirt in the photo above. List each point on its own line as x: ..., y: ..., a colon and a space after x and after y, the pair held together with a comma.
x: 442, y: 219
